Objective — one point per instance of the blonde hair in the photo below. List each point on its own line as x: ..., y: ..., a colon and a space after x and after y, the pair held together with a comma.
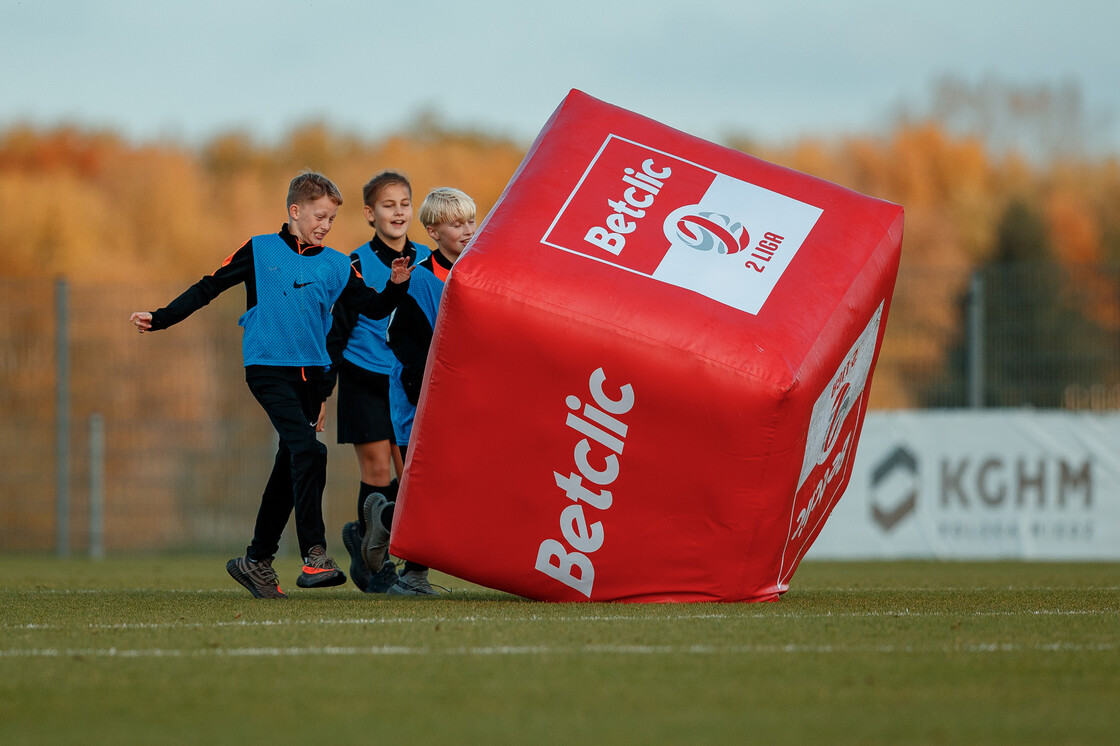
x: 310, y: 186
x: 446, y: 205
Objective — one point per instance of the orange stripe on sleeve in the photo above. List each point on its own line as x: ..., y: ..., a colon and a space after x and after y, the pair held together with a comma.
x: 229, y: 258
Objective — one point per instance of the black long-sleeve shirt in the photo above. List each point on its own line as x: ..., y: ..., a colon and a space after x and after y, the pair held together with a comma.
x: 410, y: 334
x: 238, y: 268
x: 346, y: 316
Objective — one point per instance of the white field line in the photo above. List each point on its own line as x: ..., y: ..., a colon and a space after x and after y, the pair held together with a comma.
x: 592, y: 618
x: 240, y: 592
x: 637, y: 650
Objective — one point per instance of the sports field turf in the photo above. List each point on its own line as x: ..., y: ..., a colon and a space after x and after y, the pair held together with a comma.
x: 170, y: 650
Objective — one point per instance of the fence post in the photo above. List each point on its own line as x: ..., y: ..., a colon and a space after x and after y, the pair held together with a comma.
x: 62, y: 418
x: 96, y: 486
x: 976, y: 341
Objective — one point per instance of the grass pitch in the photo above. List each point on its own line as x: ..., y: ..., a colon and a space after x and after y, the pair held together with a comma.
x: 171, y: 650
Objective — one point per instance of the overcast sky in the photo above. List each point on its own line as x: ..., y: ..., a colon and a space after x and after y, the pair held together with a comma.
x: 775, y: 71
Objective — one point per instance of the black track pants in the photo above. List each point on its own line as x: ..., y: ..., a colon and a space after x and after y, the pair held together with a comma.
x: 299, y: 473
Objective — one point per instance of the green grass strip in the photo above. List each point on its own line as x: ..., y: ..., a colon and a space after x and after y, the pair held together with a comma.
x: 170, y: 650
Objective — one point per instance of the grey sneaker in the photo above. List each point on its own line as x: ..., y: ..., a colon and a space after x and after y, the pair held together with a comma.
x: 413, y: 583
x: 319, y: 570
x: 381, y: 582
x: 375, y: 544
x: 352, y: 540
x: 257, y: 576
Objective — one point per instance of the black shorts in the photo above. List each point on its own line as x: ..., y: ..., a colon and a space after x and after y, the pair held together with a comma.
x: 363, y: 405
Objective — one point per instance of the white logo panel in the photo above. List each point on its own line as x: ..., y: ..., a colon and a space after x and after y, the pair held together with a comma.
x: 735, y: 244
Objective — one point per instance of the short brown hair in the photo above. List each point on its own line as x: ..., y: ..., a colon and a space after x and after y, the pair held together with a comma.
x: 373, y: 187
x: 310, y: 186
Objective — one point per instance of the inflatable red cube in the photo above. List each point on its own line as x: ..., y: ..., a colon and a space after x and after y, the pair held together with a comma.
x: 649, y: 372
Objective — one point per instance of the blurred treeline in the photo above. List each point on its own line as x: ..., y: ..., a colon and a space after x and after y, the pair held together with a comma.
x: 92, y: 205
x: 1009, y: 198
x: 992, y: 177
x: 1011, y: 249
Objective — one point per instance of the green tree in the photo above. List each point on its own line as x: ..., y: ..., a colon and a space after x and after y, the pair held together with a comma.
x: 1035, y: 339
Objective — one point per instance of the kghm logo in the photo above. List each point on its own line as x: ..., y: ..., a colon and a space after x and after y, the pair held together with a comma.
x: 894, y: 488
x: 707, y: 231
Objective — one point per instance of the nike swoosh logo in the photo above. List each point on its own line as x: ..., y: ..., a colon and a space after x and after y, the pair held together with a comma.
x: 298, y: 285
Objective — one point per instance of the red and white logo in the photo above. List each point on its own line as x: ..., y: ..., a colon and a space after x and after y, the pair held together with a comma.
x: 830, y: 413
x: 829, y: 446
x: 705, y: 230
x: 656, y: 214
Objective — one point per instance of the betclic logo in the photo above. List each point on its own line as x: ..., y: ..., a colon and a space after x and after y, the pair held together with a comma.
x: 656, y: 214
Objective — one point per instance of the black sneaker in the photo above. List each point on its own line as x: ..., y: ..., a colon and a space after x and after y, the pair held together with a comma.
x: 256, y: 575
x: 383, y: 580
x: 319, y: 570
x: 352, y: 540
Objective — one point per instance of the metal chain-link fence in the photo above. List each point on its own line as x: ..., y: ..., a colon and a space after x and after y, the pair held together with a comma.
x: 114, y: 441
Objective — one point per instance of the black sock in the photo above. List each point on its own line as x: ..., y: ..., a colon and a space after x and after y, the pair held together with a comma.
x: 364, y: 491
x: 387, y: 516
x: 410, y: 566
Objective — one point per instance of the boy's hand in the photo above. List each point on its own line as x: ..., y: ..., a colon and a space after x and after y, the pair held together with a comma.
x: 400, y: 271
x: 142, y: 320
x: 321, y: 423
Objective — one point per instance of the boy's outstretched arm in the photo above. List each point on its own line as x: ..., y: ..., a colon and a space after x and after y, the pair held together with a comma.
x: 234, y: 270
x: 142, y: 320
x: 367, y: 301
x: 343, y: 319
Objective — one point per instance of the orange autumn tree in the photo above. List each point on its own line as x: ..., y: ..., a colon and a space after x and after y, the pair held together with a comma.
x: 100, y: 209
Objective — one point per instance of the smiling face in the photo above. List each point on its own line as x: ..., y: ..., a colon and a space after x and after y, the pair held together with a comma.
x: 452, y: 237
x: 390, y: 214
x: 310, y: 222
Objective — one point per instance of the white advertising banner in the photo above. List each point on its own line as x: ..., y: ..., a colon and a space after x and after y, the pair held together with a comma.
x: 980, y: 485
